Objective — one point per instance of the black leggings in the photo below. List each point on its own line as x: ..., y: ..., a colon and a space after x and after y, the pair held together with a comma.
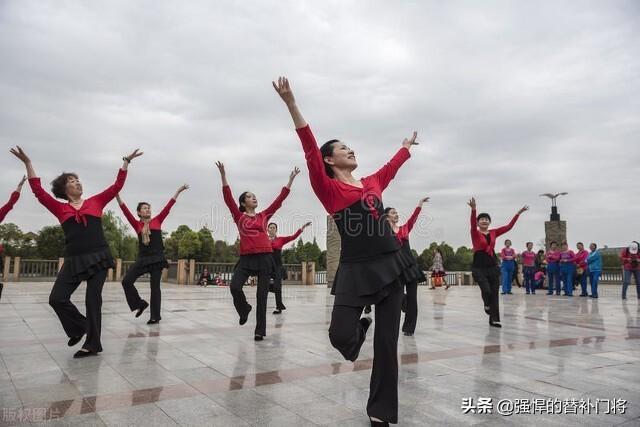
x: 488, y: 278
x: 74, y: 323
x: 347, y: 335
x: 240, y: 276
x: 131, y: 293
x: 277, y: 287
x: 411, y: 315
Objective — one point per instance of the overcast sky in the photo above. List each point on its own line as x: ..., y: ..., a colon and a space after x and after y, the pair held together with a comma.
x: 510, y: 99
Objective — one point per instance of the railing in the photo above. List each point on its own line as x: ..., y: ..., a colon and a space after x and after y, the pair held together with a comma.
x: 321, y: 278
x: 225, y: 272
x: 38, y: 269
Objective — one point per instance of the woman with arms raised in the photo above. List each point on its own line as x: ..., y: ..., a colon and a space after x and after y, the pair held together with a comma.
x: 371, y: 264
x: 256, y: 257
x: 151, y: 257
x: 86, y: 252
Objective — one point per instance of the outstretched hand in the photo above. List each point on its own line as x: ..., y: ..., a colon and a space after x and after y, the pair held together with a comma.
x: 523, y: 209
x: 21, y: 183
x: 472, y: 203
x: 182, y: 188
x: 307, y: 224
x: 283, y: 89
x: 220, y: 166
x: 423, y: 201
x: 20, y: 154
x: 136, y: 153
x: 408, y: 142
x: 294, y: 173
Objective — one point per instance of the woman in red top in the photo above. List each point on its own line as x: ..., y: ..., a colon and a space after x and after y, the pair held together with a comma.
x: 255, y: 249
x: 4, y: 210
x: 412, y: 276
x: 371, y: 264
x: 277, y: 242
x: 151, y: 257
x: 86, y: 252
x: 485, y: 269
x: 630, y: 257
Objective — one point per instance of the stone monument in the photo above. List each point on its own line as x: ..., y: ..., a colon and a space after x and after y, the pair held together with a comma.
x: 555, y: 230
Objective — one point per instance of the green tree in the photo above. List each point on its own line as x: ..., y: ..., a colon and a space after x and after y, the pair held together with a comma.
x: 207, y: 245
x: 50, y: 242
x: 115, y: 231
x: 189, y: 245
x: 11, y: 238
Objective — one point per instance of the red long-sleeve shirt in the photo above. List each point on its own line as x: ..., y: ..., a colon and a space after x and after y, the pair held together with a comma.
x: 92, y: 206
x: 9, y: 205
x: 278, y: 242
x: 403, y: 232
x: 253, y: 229
x: 581, y: 258
x: 628, y: 259
x: 156, y: 221
x: 568, y: 256
x: 478, y: 239
x: 336, y: 195
x: 552, y: 256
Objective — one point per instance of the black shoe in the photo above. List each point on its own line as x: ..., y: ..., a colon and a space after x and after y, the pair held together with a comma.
x: 408, y: 334
x: 503, y: 293
x: 487, y: 309
x: 277, y: 311
x: 495, y: 324
x: 152, y: 321
x: 282, y: 307
x: 378, y: 423
x: 74, y: 340
x: 1, y: 287
x: 143, y: 307
x: 366, y: 323
x: 81, y: 354
x: 367, y: 309
x: 245, y: 316
x: 403, y: 307
x: 510, y: 293
x: 258, y: 337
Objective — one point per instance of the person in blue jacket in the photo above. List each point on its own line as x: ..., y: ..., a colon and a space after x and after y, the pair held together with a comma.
x: 594, y: 266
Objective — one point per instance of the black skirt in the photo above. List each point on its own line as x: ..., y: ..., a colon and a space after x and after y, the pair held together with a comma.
x: 358, y: 284
x: 81, y: 267
x: 257, y: 263
x: 146, y: 264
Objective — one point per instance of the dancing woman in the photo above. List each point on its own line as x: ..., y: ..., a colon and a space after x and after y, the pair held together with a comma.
x: 151, y: 257
x: 485, y: 267
x: 414, y: 275
x: 4, y: 210
x: 371, y: 264
x: 86, y: 252
x: 256, y: 257
x: 277, y: 242
x: 553, y: 268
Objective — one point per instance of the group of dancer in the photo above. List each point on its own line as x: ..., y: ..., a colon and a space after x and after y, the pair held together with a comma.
x: 376, y: 265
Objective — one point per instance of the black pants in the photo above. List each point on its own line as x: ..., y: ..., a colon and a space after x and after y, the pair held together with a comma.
x: 131, y: 293
x: 488, y: 278
x: 74, y: 323
x: 347, y: 336
x: 411, y: 314
x: 240, y: 276
x: 277, y: 287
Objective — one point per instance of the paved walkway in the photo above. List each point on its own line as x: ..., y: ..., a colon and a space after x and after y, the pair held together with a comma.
x: 198, y: 367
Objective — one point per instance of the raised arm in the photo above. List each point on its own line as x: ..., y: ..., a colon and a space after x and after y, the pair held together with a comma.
x: 294, y: 236
x: 46, y: 199
x: 226, y: 193
x: 406, y: 228
x: 283, y: 88
x: 386, y: 173
x: 107, y: 195
x: 275, y: 205
x: 321, y: 184
x: 473, y: 220
x: 127, y: 213
x: 167, y: 208
x: 4, y: 210
x: 505, y: 228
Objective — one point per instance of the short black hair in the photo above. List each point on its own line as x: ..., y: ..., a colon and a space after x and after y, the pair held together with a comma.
x: 272, y: 223
x: 140, y: 205
x: 59, y: 184
x: 483, y: 215
x: 387, y: 210
x: 326, y: 150
x: 241, y: 200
